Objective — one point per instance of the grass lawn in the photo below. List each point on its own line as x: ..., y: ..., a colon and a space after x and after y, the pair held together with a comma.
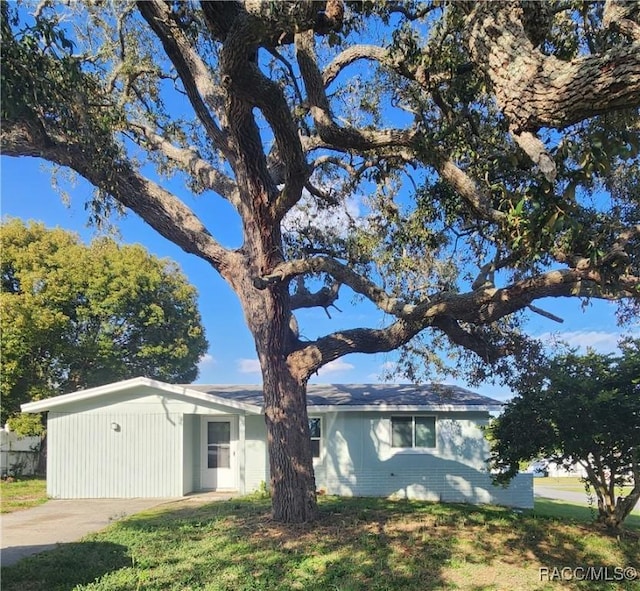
x: 22, y: 493
x: 358, y: 544
x: 569, y: 483
x: 575, y: 512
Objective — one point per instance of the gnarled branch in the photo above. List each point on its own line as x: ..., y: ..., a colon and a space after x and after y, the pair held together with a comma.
x: 201, y: 88
x: 328, y: 129
x: 190, y: 161
x: 167, y: 214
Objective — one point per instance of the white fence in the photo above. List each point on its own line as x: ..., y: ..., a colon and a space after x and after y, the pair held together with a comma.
x: 18, y: 455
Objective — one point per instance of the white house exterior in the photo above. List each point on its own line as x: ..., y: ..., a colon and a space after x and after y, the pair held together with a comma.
x: 144, y: 438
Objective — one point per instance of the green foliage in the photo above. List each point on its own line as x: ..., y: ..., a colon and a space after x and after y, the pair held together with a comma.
x: 26, y: 424
x: 576, y: 409
x: 77, y: 316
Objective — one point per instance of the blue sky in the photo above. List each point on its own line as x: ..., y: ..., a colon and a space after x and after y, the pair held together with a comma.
x: 27, y: 193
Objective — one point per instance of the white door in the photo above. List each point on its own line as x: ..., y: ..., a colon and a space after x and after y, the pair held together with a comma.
x: 218, y: 453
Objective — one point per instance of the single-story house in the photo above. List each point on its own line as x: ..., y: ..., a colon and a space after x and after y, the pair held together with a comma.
x: 144, y: 438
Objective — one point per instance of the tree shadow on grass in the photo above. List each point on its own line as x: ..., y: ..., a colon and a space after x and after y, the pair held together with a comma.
x: 355, y: 545
x: 65, y: 566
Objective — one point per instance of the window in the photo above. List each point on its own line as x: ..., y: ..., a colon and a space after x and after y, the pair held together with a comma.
x: 219, y: 444
x: 315, y: 429
x: 413, y: 432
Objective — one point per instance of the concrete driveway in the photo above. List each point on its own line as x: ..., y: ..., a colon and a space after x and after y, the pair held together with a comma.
x: 60, y: 521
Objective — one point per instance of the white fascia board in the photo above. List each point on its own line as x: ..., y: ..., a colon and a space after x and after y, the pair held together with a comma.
x: 320, y: 408
x: 82, y: 395
x: 245, y: 406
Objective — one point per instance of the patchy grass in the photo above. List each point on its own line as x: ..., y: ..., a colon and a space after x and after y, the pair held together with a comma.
x: 22, y: 493
x: 357, y: 545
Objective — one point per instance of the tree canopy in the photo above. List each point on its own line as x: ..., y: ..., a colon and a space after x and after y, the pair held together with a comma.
x: 470, y: 158
x: 76, y: 316
x: 581, y: 410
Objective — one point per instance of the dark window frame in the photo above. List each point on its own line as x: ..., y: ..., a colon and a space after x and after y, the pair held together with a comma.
x: 316, y: 438
x: 404, y: 419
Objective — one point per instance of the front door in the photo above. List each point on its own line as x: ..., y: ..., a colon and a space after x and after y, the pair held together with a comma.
x: 219, y: 453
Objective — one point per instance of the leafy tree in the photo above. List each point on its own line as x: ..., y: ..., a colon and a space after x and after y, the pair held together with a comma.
x: 466, y: 158
x: 76, y: 316
x: 581, y: 410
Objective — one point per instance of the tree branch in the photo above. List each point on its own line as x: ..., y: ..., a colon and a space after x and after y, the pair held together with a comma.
x: 328, y: 129
x: 190, y: 161
x: 160, y: 209
x: 445, y: 311
x: 201, y: 89
x: 243, y: 79
x: 325, y: 297
x: 535, y: 90
x: 342, y: 274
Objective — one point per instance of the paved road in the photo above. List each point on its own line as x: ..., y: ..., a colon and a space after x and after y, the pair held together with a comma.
x: 60, y: 521
x: 549, y: 492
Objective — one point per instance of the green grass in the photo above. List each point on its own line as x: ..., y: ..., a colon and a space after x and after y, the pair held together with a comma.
x: 22, y: 493
x: 570, y: 484
x: 574, y: 512
x: 357, y: 545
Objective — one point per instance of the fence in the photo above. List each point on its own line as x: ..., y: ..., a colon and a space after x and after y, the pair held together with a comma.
x: 18, y: 455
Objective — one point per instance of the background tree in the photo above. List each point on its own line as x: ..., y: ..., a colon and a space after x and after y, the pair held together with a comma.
x: 581, y: 410
x: 76, y: 316
x: 486, y: 147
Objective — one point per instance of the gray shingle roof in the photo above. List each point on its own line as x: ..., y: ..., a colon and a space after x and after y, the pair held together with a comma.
x: 383, y: 395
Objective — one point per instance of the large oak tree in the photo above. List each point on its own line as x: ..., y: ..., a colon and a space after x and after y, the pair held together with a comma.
x: 489, y: 150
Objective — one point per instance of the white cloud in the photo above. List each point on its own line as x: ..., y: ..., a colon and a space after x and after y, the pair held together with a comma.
x: 248, y: 366
x: 382, y: 375
x: 335, y: 366
x: 337, y: 220
x: 388, y: 366
x: 599, y: 340
x: 206, y: 361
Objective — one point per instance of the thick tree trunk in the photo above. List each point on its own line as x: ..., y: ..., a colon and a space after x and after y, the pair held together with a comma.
x: 293, y: 488
x: 292, y: 482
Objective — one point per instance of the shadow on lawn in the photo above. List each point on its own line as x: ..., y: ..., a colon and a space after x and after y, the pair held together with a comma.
x: 351, y: 547
x: 362, y: 544
x: 357, y: 544
x: 65, y: 566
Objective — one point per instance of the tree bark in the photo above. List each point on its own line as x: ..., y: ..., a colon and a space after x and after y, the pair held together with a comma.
x: 611, y: 511
x: 293, y: 487
x: 292, y: 481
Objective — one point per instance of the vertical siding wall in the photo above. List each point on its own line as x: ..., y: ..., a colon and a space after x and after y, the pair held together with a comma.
x: 360, y: 461
x: 87, y: 458
x: 190, y: 441
x: 256, y: 460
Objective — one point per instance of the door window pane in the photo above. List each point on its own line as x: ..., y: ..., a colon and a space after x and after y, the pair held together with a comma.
x: 219, y: 444
x: 401, y: 432
x: 218, y: 432
x: 219, y: 457
x: 314, y: 427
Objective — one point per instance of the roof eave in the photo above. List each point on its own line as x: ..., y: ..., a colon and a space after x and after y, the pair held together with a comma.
x: 124, y: 385
x: 319, y: 408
